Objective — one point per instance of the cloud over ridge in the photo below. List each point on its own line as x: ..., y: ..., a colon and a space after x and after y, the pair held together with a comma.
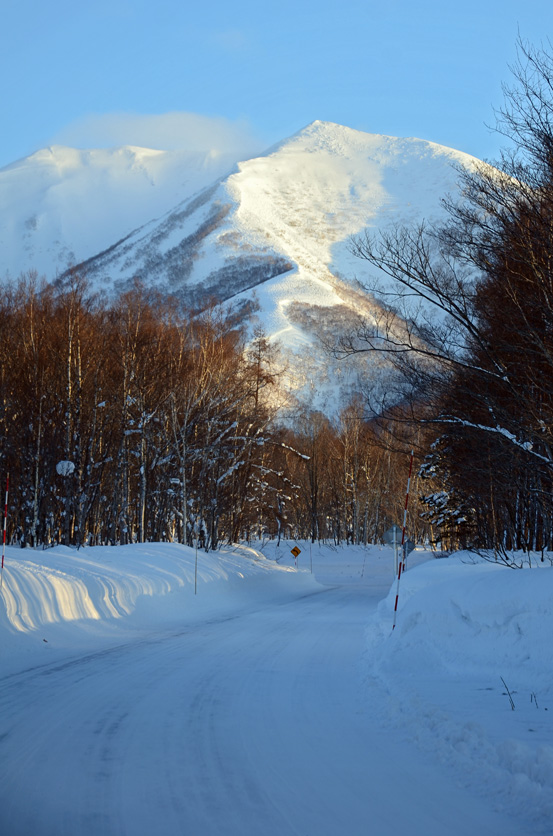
x: 176, y: 130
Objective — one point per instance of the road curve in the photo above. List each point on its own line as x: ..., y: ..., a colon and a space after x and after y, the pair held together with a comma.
x: 263, y: 723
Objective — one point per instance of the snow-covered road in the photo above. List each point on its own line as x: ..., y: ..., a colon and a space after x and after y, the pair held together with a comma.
x: 264, y: 721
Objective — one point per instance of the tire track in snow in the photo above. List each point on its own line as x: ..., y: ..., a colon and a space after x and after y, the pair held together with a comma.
x: 257, y: 723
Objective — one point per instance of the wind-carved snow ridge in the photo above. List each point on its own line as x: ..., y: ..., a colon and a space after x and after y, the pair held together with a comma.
x: 62, y: 585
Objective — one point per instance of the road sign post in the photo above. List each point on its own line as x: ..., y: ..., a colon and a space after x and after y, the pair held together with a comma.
x: 393, y: 538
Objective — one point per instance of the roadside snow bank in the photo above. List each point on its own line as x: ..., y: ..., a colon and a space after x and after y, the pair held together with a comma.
x: 471, y: 636
x: 62, y: 600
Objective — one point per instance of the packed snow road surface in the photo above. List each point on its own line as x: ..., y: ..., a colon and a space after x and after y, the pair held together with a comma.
x: 262, y: 718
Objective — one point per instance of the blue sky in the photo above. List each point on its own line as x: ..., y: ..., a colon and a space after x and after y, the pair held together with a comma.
x: 244, y: 74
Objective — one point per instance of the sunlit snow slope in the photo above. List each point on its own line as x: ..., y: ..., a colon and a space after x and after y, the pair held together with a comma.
x: 282, y: 223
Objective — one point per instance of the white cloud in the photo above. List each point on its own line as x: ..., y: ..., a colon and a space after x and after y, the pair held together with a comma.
x: 166, y: 131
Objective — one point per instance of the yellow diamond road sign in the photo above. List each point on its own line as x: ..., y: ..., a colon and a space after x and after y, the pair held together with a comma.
x: 295, y: 551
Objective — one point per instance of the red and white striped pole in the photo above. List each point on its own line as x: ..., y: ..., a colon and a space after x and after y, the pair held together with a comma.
x: 4, y: 536
x: 401, y: 566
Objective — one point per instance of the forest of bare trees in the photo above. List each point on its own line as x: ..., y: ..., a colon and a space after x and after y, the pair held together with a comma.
x: 128, y: 421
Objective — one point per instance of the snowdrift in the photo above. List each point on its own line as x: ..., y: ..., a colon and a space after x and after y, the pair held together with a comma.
x: 468, y: 674
x: 63, y: 600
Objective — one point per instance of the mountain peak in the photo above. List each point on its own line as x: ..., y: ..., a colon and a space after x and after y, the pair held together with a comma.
x: 278, y: 227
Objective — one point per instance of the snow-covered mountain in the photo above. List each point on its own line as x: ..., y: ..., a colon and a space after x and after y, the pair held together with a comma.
x: 61, y: 205
x: 276, y: 229
x: 282, y: 222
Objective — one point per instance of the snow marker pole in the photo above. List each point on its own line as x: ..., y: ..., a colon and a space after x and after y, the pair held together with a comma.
x: 405, y: 509
x: 4, y: 535
x: 401, y: 566
x: 196, y: 570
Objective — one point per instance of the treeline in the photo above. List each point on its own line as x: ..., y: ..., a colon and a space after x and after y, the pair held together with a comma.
x: 474, y: 368
x: 131, y: 421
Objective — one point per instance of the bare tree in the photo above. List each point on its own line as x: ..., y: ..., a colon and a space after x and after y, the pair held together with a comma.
x: 465, y: 313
